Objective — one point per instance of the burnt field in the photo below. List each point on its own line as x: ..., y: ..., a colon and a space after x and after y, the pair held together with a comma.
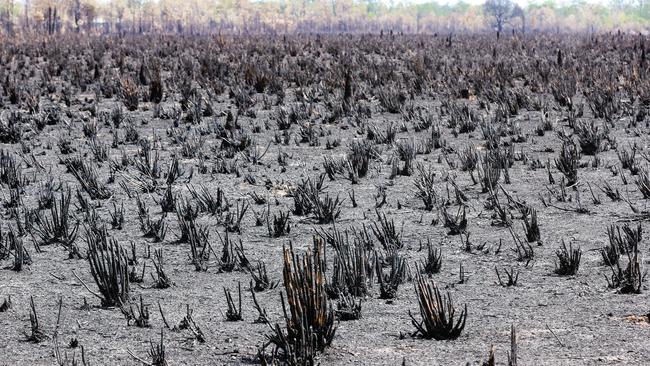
x: 324, y: 199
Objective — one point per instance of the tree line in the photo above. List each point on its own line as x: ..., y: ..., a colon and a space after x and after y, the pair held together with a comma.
x: 322, y: 16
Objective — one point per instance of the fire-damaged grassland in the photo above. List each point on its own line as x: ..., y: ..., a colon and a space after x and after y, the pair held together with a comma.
x: 333, y: 199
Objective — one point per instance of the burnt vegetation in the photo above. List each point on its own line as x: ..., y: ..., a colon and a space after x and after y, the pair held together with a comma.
x: 360, y: 179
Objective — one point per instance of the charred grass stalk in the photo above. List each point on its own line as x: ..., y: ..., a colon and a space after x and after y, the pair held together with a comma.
x: 433, y: 262
x: 229, y: 257
x: 590, y: 137
x: 424, y: 184
x: 197, y: 237
x: 347, y: 308
x: 510, y: 279
x: 399, y: 272
x: 325, y: 210
x: 308, y: 313
x: 359, y: 158
x: 234, y: 312
x: 87, y: 176
x: 161, y: 280
x: 456, y: 224
x: 13, y: 247
x: 531, y: 227
x: 207, y: 202
x: 438, y: 313
x: 156, y: 229
x: 262, y: 317
x: 643, y: 183
x: 57, y: 227
x: 352, y: 270
x: 406, y: 151
x: 156, y: 353
x: 568, y: 260
x: 6, y: 305
x: 628, y: 160
x: 489, y: 174
x: 386, y: 232
x: 233, y: 219
x: 280, y: 225
x: 189, y: 323
x: 611, y: 192
x: 109, y: 268
x: 524, y: 251
x: 168, y: 200
x: 261, y: 278
x: 625, y: 237
x: 37, y: 334
x: 137, y: 314
x: 568, y: 162
x: 304, y: 193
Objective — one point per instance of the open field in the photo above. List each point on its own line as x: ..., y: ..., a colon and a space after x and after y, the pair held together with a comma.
x: 163, y: 184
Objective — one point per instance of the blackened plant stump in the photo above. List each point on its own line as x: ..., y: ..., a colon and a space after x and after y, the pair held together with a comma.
x: 386, y: 232
x: 399, y: 272
x: 347, y: 309
x: 433, y: 262
x: 630, y: 280
x: 568, y: 162
x: 531, y: 228
x: 261, y: 278
x: 6, y: 304
x: 456, y: 224
x: 37, y: 334
x: 425, y: 184
x: 129, y: 94
x: 161, y: 280
x: 510, y: 279
x: 57, y: 227
x: 308, y: 313
x: 281, y: 224
x: 88, y: 177
x: 569, y: 260
x: 110, y: 270
x: 234, y: 312
x: 352, y: 269
x: 437, y: 312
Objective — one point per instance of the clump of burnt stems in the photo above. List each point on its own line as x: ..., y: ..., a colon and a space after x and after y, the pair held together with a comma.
x: 439, y: 320
x: 624, y: 240
x: 279, y: 226
x: 389, y: 282
x: 568, y: 162
x: 425, y: 187
x: 352, y: 269
x: 308, y: 313
x: 109, y: 268
x: 234, y: 311
x: 386, y: 232
x: 510, y: 277
x: 433, y: 261
x: 88, y: 178
x: 568, y: 260
x: 57, y: 227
